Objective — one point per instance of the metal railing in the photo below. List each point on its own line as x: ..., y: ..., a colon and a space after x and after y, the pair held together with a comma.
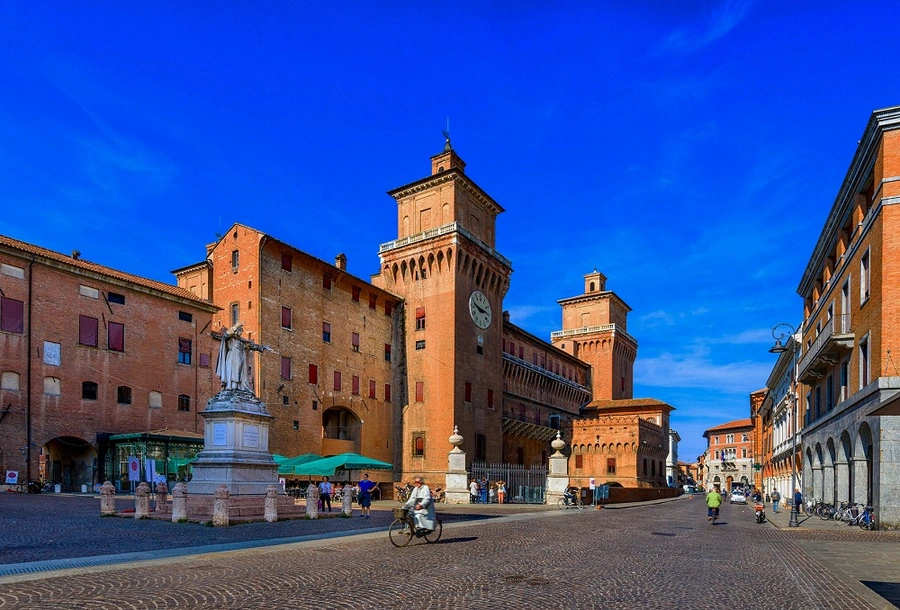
x: 524, y: 484
x: 572, y: 332
x: 842, y: 322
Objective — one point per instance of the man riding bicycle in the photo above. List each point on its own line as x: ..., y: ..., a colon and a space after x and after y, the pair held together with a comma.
x: 422, y: 506
x: 713, y: 501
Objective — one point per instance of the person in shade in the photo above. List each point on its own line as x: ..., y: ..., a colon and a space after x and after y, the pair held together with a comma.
x: 325, y: 491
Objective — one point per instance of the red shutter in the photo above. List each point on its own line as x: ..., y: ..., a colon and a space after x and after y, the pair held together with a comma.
x: 388, y: 308
x: 337, y: 381
x: 420, y: 391
x: 468, y: 392
x: 286, y: 261
x: 490, y: 399
x: 87, y: 331
x: 355, y: 384
x: 116, y: 337
x: 285, y: 367
x: 387, y: 392
x: 286, y: 317
x: 313, y: 374
x: 12, y: 316
x: 371, y: 388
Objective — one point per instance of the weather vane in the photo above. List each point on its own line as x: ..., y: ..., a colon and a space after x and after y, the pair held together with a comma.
x: 446, y: 133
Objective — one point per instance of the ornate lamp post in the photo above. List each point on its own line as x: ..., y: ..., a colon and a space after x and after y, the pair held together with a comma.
x: 780, y: 348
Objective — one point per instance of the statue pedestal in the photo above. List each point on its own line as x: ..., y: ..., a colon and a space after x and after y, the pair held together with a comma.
x: 557, y: 478
x: 235, y: 447
x: 456, y: 490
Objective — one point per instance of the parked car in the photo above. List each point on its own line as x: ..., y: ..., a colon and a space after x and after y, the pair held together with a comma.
x: 738, y: 497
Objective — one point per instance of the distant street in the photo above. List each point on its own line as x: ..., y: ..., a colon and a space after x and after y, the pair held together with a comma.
x: 657, y: 556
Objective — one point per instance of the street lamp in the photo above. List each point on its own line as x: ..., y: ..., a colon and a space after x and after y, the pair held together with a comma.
x: 780, y: 348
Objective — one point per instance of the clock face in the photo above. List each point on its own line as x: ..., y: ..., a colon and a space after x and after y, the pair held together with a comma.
x: 480, y: 309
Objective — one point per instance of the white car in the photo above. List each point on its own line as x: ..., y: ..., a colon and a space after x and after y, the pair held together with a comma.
x: 738, y: 498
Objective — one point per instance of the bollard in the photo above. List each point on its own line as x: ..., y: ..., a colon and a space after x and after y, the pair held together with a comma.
x: 220, y: 506
x: 179, y: 503
x: 312, y: 502
x: 162, y: 497
x: 142, y: 501
x: 347, y: 501
x: 107, y: 499
x: 271, y: 504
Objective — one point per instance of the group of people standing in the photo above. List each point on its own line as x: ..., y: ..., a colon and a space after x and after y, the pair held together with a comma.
x: 363, y: 494
x: 482, y: 492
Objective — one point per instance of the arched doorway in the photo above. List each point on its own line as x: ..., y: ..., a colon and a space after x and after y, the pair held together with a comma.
x: 340, y: 431
x: 729, y: 484
x: 862, y: 455
x: 69, y: 461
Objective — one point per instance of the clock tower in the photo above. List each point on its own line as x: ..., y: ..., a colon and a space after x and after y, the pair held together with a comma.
x: 444, y: 265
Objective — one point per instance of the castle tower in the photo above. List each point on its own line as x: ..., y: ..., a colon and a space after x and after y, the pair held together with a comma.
x: 594, y: 331
x: 453, y: 281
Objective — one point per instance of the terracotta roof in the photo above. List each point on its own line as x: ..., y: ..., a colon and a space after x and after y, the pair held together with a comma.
x: 738, y: 423
x: 108, y: 272
x: 608, y: 403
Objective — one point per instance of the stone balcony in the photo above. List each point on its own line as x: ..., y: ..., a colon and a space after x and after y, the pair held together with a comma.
x: 453, y: 227
x: 834, y: 341
x: 585, y: 330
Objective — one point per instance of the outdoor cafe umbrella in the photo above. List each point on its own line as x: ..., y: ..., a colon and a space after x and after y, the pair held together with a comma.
x: 294, y: 465
x: 326, y: 467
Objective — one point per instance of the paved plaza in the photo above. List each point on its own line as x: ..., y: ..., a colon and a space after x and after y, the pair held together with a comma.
x: 662, y: 555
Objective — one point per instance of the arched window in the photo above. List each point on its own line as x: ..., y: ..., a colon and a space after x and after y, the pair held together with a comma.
x: 88, y: 390
x: 9, y: 380
x: 341, y: 424
x: 419, y: 447
x: 123, y: 395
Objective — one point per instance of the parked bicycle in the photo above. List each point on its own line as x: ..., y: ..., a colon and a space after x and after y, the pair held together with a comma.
x: 403, y: 492
x: 570, y: 500
x: 403, y: 529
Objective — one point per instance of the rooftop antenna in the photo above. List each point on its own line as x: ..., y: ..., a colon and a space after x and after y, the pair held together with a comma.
x: 447, y: 136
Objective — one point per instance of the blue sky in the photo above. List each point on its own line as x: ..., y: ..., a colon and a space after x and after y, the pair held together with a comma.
x: 688, y: 150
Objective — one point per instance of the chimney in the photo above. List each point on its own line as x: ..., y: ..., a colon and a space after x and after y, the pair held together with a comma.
x: 340, y: 261
x: 76, y: 254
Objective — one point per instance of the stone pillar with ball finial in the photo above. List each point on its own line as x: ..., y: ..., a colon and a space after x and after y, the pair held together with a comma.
x: 558, y: 475
x: 455, y: 482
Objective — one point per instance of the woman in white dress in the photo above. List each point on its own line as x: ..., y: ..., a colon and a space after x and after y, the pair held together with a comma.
x: 422, y: 506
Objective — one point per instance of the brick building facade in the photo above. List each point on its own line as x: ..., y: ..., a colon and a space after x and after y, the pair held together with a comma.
x: 87, y: 350
x: 388, y: 367
x: 728, y: 461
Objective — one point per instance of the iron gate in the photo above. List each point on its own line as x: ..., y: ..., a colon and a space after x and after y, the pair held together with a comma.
x: 524, y: 484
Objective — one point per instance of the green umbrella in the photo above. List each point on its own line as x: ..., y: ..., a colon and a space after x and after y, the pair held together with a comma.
x: 279, y: 458
x: 345, y: 461
x: 294, y: 465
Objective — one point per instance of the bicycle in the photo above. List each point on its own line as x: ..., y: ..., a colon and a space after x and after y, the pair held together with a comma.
x: 403, y: 492
x: 569, y: 500
x: 403, y: 528
x: 846, y: 513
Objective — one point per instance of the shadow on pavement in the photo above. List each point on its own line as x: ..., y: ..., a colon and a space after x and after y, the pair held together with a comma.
x: 888, y: 590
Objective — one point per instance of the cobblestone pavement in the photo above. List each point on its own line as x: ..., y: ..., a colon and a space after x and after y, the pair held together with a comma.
x: 660, y: 556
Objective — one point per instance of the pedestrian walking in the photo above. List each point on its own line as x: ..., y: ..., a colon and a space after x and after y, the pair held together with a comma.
x: 325, y: 491
x: 473, y: 491
x: 776, y: 498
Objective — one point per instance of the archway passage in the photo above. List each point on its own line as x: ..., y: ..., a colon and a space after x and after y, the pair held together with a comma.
x: 68, y: 461
x: 340, y: 431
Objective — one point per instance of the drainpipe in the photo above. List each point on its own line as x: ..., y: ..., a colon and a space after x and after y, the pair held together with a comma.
x: 28, y: 375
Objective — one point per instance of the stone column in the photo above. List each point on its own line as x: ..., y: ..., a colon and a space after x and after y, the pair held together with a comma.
x: 312, y: 502
x: 456, y: 478
x: 816, y: 483
x: 162, y: 497
x: 142, y: 501
x: 347, y: 500
x: 179, y: 502
x: 828, y: 483
x: 558, y: 476
x: 860, y: 479
x: 842, y: 482
x: 271, y: 504
x: 220, y: 506
x: 107, y: 499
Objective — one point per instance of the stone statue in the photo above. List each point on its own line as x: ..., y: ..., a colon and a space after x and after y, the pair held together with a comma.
x: 233, y: 367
